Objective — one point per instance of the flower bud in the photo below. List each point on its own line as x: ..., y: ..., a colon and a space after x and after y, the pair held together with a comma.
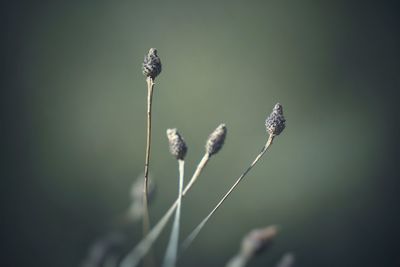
x: 275, y: 122
x: 151, y: 64
x: 177, y: 145
x: 216, y: 140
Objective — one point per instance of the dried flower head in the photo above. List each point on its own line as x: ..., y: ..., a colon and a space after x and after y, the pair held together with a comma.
x: 177, y: 145
x: 152, y: 64
x: 275, y: 122
x: 258, y: 240
x: 216, y: 140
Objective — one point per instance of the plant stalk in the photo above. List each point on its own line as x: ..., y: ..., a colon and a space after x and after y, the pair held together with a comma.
x: 172, y: 248
x: 146, y: 218
x: 188, y: 241
x: 149, y: 261
x: 140, y: 250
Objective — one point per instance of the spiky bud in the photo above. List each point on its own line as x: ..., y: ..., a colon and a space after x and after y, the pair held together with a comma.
x: 275, y: 122
x: 151, y: 64
x: 258, y: 240
x: 177, y: 145
x: 216, y: 140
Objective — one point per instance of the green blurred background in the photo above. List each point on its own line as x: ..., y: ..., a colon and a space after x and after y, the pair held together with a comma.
x: 74, y: 125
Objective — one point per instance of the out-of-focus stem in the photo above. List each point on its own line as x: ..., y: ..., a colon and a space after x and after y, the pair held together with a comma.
x: 172, y: 249
x: 141, y: 249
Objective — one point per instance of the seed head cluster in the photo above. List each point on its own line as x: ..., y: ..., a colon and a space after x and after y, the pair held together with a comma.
x: 275, y: 122
x: 151, y: 64
x: 177, y: 145
x: 216, y: 140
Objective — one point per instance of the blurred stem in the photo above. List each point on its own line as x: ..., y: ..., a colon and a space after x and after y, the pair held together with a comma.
x: 140, y: 250
x: 146, y: 217
x: 197, y: 230
x: 238, y: 261
x: 172, y: 248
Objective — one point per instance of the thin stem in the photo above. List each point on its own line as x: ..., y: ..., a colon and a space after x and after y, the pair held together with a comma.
x: 196, y: 231
x: 146, y: 218
x: 172, y: 249
x: 141, y: 249
x: 149, y: 261
x: 196, y: 174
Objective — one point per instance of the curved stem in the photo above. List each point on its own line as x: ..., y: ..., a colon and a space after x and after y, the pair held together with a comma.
x: 196, y: 231
x: 134, y: 257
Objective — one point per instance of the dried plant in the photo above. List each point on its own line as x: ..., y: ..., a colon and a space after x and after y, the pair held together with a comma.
x: 255, y: 242
x: 275, y: 123
x: 151, y: 69
x: 178, y: 149
x: 213, y: 145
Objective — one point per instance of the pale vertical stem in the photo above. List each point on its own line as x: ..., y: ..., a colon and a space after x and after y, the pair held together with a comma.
x: 140, y: 250
x: 172, y: 248
x: 146, y: 219
x: 149, y: 261
x: 196, y: 231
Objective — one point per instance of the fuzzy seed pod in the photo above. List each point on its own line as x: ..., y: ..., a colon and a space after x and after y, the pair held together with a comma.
x: 177, y: 145
x: 151, y: 64
x: 275, y: 122
x: 216, y: 140
x: 258, y: 240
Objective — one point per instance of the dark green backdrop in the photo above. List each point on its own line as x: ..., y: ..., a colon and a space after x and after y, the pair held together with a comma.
x: 74, y: 125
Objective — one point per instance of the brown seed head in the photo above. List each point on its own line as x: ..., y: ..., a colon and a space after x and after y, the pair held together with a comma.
x: 216, y: 140
x: 275, y: 123
x: 151, y: 64
x: 177, y: 145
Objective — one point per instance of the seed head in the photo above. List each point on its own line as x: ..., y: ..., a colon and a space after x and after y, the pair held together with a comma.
x: 258, y: 240
x: 275, y: 122
x: 216, y: 140
x: 177, y: 145
x: 151, y: 64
